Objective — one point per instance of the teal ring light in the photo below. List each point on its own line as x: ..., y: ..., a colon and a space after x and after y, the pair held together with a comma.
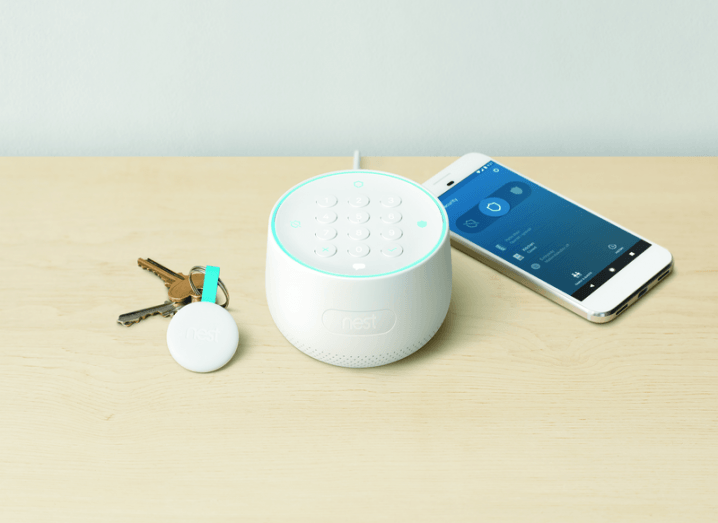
x: 442, y: 211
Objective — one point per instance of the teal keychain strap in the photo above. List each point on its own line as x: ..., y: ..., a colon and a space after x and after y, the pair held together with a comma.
x: 209, y: 287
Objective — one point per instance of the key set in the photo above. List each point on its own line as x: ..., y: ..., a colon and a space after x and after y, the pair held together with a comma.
x: 202, y: 336
x: 179, y: 292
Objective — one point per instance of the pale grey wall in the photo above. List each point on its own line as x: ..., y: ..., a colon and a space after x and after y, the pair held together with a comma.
x: 309, y: 77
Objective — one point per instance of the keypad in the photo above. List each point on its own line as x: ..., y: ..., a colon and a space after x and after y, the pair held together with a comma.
x: 359, y: 250
x: 359, y: 223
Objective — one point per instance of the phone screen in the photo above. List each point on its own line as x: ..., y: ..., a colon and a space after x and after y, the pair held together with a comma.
x: 536, y: 230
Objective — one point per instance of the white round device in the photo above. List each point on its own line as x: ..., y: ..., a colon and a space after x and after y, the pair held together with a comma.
x: 358, y: 267
x: 202, y: 336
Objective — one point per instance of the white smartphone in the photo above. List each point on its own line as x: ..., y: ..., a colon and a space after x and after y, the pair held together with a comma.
x: 554, y: 246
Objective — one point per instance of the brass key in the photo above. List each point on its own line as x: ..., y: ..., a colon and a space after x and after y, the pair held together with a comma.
x: 167, y: 276
x: 179, y: 292
x: 177, y: 283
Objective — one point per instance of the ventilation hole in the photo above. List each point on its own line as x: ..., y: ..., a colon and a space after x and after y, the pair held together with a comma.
x: 663, y: 275
x: 622, y: 309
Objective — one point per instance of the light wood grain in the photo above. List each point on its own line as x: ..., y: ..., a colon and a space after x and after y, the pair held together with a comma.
x: 516, y: 411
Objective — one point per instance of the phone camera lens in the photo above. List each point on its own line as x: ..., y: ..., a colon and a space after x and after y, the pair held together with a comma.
x: 450, y: 183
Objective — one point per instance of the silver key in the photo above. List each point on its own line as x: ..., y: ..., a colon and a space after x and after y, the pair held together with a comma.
x: 167, y: 309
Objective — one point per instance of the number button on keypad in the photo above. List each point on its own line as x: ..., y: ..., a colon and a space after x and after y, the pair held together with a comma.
x: 392, y: 251
x: 359, y: 200
x: 391, y: 200
x: 359, y: 233
x: 326, y: 233
x: 391, y: 217
x: 359, y: 217
x: 391, y: 233
x: 359, y: 250
x: 327, y: 217
x: 325, y: 251
x: 327, y: 200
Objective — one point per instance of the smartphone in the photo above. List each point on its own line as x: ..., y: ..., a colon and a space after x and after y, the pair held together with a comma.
x: 552, y: 245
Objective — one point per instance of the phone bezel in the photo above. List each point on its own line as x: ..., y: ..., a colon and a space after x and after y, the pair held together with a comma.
x: 603, y: 304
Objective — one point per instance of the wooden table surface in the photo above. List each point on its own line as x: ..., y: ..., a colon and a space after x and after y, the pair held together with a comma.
x: 517, y: 410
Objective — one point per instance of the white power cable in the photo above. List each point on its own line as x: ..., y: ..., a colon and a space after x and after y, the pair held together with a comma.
x: 357, y: 160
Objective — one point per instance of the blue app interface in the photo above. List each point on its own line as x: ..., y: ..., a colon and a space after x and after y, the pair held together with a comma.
x: 534, y: 229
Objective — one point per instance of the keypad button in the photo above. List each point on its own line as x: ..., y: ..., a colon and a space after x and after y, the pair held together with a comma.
x: 391, y: 200
x: 325, y: 251
x: 327, y: 217
x: 326, y: 233
x: 327, y: 200
x: 359, y: 200
x: 359, y: 217
x: 391, y: 233
x: 391, y: 217
x: 359, y: 233
x: 392, y: 251
x: 359, y: 250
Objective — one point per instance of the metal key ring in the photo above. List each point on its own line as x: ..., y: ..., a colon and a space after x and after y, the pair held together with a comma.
x: 202, y: 269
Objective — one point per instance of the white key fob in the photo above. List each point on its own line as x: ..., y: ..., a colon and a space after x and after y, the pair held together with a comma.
x: 202, y: 336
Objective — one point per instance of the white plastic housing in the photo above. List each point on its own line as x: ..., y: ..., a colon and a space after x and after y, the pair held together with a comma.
x: 202, y: 337
x: 353, y: 309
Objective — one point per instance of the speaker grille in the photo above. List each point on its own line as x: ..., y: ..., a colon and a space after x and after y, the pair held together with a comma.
x: 359, y: 362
